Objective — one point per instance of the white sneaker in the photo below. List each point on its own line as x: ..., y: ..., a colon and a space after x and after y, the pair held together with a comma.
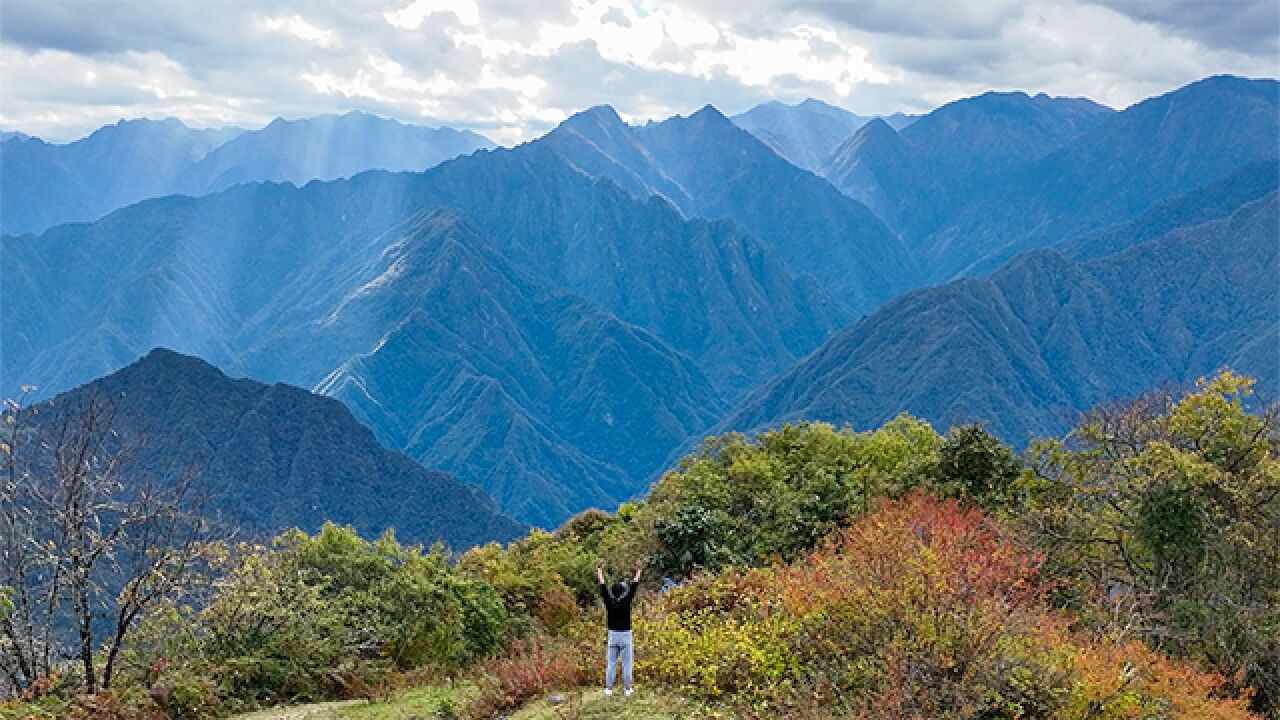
x: 608, y: 692
x: 627, y: 692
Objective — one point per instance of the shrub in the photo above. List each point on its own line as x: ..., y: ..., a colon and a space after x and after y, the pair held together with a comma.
x: 923, y: 608
x: 314, y: 617
x: 747, y: 500
x: 526, y: 670
x: 533, y: 568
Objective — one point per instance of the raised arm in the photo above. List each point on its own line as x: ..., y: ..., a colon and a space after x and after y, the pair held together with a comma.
x: 600, y: 570
x: 639, y: 569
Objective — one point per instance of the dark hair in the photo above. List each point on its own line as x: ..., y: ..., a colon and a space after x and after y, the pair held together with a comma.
x: 619, y: 589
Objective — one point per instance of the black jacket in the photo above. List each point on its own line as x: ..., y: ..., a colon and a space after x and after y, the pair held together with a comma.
x: 619, y: 609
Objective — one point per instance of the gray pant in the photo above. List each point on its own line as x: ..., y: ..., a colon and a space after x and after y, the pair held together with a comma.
x: 620, y: 647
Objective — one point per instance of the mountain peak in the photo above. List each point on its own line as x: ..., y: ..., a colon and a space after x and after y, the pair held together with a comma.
x: 322, y: 463
x: 602, y: 111
x: 876, y: 126
x: 1015, y: 95
x: 985, y: 102
x: 708, y: 111
x: 815, y: 103
x: 708, y: 116
x: 134, y: 127
x: 164, y: 355
x: 877, y: 133
x: 174, y: 368
x: 1227, y: 84
x: 876, y: 142
x: 995, y: 102
x: 600, y: 116
x: 149, y: 122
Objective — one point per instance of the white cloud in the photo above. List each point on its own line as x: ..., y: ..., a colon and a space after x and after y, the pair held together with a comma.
x: 511, y: 68
x: 297, y: 27
x: 411, y: 16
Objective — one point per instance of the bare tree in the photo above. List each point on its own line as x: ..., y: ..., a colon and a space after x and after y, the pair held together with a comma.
x: 91, y: 540
x: 30, y: 588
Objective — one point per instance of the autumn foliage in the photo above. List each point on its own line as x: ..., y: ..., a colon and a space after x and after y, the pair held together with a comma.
x: 1126, y: 572
x: 923, y: 608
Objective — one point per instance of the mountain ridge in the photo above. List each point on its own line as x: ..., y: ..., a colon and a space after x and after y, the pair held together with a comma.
x: 134, y: 160
x: 1052, y: 336
x: 522, y: 352
x: 271, y: 457
x: 1153, y: 150
x: 917, y: 177
x: 708, y: 167
x: 805, y: 133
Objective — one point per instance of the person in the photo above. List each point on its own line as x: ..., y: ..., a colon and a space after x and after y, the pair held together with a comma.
x: 617, y: 605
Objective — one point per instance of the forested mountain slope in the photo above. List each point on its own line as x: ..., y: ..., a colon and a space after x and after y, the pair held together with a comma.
x: 1045, y: 337
x: 265, y: 458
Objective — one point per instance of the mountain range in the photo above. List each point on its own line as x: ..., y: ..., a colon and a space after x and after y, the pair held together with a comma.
x: 543, y: 398
x: 551, y: 321
x: 1152, y: 151
x: 708, y: 167
x: 805, y: 133
x: 325, y: 147
x: 118, y: 165
x: 256, y: 280
x: 920, y: 176
x: 808, y: 132
x: 1046, y: 337
x: 271, y: 457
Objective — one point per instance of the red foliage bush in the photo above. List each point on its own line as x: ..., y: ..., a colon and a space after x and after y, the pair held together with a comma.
x: 924, y: 608
x: 528, y: 669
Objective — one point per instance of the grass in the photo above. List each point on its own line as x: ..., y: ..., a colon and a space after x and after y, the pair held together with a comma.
x: 36, y: 710
x: 643, y: 705
x: 422, y: 703
x: 425, y: 703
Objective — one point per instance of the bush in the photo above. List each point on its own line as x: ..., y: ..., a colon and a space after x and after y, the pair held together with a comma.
x: 975, y: 465
x: 528, y: 669
x: 185, y: 695
x: 740, y: 500
x: 924, y: 608
x: 532, y: 569
x: 315, y: 617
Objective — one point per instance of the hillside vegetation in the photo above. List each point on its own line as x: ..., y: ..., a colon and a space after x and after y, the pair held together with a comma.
x: 1126, y: 570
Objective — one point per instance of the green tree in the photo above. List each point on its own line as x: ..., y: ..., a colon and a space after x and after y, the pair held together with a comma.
x: 743, y: 500
x: 1169, y: 507
x: 974, y: 464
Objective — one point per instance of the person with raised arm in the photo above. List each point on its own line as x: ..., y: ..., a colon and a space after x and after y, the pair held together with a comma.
x: 617, y: 605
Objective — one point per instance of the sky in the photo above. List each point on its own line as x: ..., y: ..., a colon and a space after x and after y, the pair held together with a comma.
x: 511, y: 69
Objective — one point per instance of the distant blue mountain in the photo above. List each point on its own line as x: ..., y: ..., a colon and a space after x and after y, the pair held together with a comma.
x: 132, y: 160
x: 539, y: 397
x: 120, y: 164
x: 551, y: 321
x: 708, y: 167
x: 918, y: 177
x: 1045, y: 337
x: 805, y: 133
x: 1201, y: 205
x: 1152, y: 151
x: 898, y: 120
x: 325, y: 147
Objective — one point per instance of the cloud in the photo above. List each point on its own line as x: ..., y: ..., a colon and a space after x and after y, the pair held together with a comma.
x: 617, y: 17
x: 1247, y: 26
x: 512, y: 68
